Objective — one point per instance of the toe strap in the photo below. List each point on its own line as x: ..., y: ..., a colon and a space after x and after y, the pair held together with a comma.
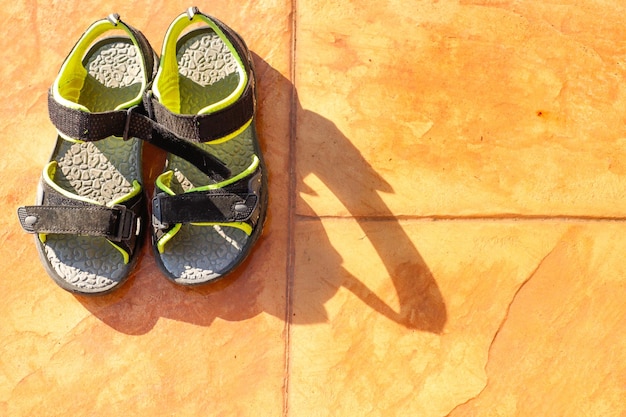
x: 213, y: 206
x: 238, y: 202
x: 62, y: 214
x: 115, y: 223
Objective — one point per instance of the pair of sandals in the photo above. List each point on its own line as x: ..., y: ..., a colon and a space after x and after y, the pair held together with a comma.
x: 198, y: 103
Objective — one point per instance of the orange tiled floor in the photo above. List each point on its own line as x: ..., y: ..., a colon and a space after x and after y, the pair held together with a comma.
x: 448, y: 206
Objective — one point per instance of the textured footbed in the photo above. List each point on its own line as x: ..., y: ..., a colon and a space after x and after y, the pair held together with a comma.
x: 207, y: 74
x: 102, y: 171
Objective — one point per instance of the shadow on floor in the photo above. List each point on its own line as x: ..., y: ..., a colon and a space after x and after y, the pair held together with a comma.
x: 261, y: 283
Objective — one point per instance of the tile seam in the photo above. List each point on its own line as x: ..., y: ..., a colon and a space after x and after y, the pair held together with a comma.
x: 492, y: 218
x: 291, y: 250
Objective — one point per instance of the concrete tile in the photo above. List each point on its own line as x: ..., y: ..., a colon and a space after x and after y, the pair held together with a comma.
x: 560, y: 349
x: 460, y: 109
x: 418, y: 318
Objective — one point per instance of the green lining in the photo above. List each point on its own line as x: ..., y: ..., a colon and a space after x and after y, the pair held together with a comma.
x: 253, y: 166
x: 167, y: 237
x: 231, y: 135
x: 68, y: 84
x: 48, y: 177
x: 125, y: 254
x: 237, y: 225
x: 163, y: 182
x: 134, y: 192
x: 166, y: 83
x: 69, y: 139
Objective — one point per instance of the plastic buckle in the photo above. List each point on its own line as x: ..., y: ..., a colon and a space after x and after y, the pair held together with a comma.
x: 125, y: 224
x: 156, y: 214
x: 129, y: 116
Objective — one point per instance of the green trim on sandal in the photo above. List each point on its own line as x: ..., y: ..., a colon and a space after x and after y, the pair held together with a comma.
x: 166, y: 87
x: 69, y: 82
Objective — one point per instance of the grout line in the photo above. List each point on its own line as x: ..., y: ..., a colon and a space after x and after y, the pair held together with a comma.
x: 291, y: 215
x: 474, y: 218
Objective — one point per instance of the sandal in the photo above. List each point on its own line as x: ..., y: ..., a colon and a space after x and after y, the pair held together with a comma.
x: 90, y: 208
x: 204, y: 226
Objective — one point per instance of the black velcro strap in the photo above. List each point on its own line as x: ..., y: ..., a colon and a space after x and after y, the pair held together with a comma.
x: 198, y: 157
x: 115, y: 223
x: 83, y: 125
x: 213, y: 126
x: 202, y: 207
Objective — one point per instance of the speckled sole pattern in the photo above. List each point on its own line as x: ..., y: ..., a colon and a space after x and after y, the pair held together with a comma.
x: 102, y: 171
x: 207, y: 74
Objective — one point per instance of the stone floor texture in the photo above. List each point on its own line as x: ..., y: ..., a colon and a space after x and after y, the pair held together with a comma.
x: 446, y: 228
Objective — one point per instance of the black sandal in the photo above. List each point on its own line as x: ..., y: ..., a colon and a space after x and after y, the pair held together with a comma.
x: 208, y: 210
x: 204, y: 226
x: 90, y: 208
